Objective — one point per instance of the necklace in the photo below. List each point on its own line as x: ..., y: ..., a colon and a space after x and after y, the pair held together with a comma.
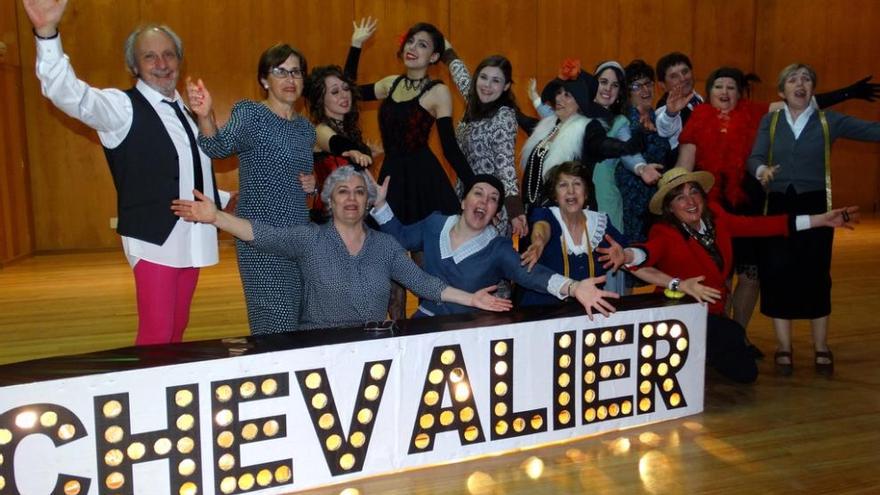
x: 414, y: 84
x: 535, y: 166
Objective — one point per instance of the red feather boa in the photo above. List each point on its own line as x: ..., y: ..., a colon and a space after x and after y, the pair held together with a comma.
x: 724, y: 142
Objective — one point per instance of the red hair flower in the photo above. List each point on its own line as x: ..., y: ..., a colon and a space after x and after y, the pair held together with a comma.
x: 401, y: 39
x: 570, y: 69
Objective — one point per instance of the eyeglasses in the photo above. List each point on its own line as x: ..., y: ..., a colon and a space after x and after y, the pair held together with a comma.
x: 637, y: 86
x: 282, y: 73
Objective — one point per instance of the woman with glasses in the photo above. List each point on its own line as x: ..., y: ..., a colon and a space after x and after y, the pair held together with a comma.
x: 274, y: 148
x: 640, y: 112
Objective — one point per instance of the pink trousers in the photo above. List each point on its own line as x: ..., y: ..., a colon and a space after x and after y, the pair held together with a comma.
x: 164, y: 295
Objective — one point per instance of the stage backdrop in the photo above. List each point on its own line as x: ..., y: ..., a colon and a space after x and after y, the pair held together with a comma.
x: 63, y: 166
x: 286, y: 413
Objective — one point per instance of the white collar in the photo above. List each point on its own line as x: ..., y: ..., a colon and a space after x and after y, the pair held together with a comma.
x: 154, y: 97
x: 797, y: 125
x: 597, y: 223
x: 469, y: 247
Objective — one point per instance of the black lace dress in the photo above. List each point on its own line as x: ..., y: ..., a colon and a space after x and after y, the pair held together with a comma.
x: 419, y: 185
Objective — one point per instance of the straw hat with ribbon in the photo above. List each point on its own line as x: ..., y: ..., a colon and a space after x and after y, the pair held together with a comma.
x: 673, y: 178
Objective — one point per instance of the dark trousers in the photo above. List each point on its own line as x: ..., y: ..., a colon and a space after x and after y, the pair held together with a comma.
x: 726, y: 350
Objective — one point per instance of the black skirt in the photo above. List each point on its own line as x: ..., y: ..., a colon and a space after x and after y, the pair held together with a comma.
x: 796, y: 270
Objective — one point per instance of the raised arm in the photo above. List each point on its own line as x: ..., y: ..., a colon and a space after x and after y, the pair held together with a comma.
x: 45, y: 15
x: 861, y: 89
x: 235, y: 136
x: 459, y: 72
x: 108, y: 111
x: 202, y: 105
x: 361, y: 32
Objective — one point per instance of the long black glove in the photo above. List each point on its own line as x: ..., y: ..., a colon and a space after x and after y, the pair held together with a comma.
x: 599, y: 146
x: 367, y: 91
x: 451, y: 150
x: 351, y: 62
x: 860, y: 90
x: 526, y: 122
x: 340, y: 144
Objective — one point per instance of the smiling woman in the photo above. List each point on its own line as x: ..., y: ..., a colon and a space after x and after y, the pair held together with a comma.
x: 411, y: 103
x: 466, y: 251
x: 274, y: 147
x: 690, y: 249
x: 347, y: 268
x: 487, y: 132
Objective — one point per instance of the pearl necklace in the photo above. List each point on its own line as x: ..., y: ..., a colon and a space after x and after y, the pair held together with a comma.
x: 536, y: 161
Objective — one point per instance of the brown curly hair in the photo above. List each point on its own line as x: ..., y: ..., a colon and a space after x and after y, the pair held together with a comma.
x: 316, y: 88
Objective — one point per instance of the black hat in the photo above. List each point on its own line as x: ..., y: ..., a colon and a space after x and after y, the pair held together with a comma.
x: 575, y: 81
x: 488, y: 179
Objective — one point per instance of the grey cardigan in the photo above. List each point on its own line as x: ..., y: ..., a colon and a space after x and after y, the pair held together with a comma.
x: 802, y: 160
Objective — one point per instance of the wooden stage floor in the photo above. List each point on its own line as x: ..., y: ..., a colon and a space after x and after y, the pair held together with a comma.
x: 802, y: 434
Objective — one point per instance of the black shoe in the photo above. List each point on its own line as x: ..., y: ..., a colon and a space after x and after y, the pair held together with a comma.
x: 782, y: 368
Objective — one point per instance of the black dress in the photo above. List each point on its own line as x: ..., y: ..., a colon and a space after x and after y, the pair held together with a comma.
x: 419, y: 185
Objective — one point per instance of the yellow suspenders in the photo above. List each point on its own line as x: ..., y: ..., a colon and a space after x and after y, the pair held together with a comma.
x: 826, y: 134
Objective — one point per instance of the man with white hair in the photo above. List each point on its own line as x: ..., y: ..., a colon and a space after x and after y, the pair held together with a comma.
x: 149, y: 141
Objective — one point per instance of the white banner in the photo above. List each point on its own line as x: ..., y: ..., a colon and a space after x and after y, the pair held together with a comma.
x: 288, y: 420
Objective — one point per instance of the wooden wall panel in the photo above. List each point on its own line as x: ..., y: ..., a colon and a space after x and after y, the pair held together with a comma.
x: 651, y: 28
x: 16, y: 221
x: 73, y: 197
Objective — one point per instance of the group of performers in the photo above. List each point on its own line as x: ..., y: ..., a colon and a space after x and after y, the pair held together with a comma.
x: 612, y: 189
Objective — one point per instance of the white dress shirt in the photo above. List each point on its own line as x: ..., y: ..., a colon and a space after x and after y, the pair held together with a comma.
x: 109, y: 111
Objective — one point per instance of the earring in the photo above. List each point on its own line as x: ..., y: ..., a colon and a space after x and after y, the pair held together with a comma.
x: 265, y: 86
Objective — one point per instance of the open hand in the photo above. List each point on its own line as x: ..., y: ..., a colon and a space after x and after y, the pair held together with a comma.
x: 45, y: 15
x: 533, y: 89
x: 845, y: 217
x: 613, y: 256
x: 519, y: 226
x: 532, y: 255
x: 483, y: 299
x: 678, y: 99
x: 358, y: 158
x: 702, y: 293
x: 202, y: 210
x: 651, y: 173
x: 363, y: 31
x: 593, y: 298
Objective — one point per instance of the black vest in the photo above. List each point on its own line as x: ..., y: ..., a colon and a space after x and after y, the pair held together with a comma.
x: 145, y: 172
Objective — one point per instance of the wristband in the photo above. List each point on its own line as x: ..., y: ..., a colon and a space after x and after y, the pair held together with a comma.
x: 673, y: 284
x: 45, y: 38
x: 673, y: 294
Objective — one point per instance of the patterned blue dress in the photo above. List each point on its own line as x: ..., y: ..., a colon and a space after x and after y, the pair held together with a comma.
x: 272, y: 152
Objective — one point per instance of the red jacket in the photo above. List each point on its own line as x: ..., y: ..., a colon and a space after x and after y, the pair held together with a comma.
x: 681, y: 256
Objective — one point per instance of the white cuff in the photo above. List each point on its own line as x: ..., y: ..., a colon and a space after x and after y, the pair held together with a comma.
x: 382, y: 215
x: 554, y: 285
x: 639, y: 167
x: 224, y: 197
x: 537, y: 102
x: 802, y: 222
x: 639, y: 256
x: 760, y: 170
